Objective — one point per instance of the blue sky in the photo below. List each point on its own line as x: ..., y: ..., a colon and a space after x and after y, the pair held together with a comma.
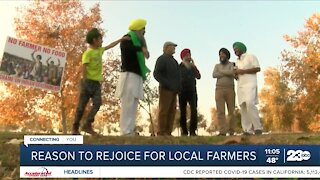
x: 202, y: 26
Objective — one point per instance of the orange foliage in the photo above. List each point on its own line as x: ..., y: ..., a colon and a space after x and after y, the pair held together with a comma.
x: 302, y: 69
x: 58, y: 24
x: 214, y: 121
x: 276, y: 102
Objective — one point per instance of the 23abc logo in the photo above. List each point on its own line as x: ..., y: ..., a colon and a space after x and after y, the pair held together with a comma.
x: 298, y: 155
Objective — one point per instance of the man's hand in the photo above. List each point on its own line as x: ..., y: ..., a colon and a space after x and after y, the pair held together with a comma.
x: 192, y: 62
x: 247, y: 71
x: 145, y: 52
x: 239, y: 71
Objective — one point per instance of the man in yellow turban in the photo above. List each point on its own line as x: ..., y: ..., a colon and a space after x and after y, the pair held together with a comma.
x: 247, y: 68
x: 137, y: 24
x: 134, y: 72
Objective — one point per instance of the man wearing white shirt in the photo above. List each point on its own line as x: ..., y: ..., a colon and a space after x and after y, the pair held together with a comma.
x: 247, y: 67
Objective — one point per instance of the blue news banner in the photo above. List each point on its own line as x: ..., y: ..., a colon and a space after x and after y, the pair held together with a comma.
x: 170, y: 155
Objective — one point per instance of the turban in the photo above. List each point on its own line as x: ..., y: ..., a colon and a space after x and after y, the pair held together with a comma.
x: 137, y: 24
x: 184, y: 52
x: 226, y: 52
x: 240, y: 46
x: 93, y: 33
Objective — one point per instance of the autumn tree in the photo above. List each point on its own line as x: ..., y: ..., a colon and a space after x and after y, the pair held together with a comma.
x: 214, y: 126
x: 107, y: 119
x: 110, y: 109
x: 276, y: 102
x: 13, y: 106
x: 237, y: 118
x: 301, y: 67
x: 153, y: 128
x: 151, y: 96
x: 200, y: 117
x: 61, y: 25
x: 202, y: 122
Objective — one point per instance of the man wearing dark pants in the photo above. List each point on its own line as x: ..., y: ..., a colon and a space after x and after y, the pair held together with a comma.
x: 89, y: 89
x: 167, y: 73
x: 189, y: 73
x: 91, y: 79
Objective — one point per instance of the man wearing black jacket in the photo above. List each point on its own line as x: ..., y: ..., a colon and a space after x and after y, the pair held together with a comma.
x: 188, y: 94
x: 130, y: 85
x: 167, y: 73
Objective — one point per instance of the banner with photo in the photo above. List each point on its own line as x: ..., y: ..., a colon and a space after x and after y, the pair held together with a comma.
x: 30, y: 64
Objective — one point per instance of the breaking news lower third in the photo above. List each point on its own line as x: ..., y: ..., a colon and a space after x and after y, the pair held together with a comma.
x: 67, y: 157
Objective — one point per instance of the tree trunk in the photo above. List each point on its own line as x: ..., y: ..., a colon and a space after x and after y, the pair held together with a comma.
x: 64, y: 119
x: 151, y: 121
x: 63, y: 112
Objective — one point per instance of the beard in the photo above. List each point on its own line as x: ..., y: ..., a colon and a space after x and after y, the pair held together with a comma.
x: 223, y: 61
x: 140, y: 35
x: 187, y: 64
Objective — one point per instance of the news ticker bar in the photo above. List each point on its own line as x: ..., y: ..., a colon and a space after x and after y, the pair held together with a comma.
x: 170, y: 155
x: 178, y: 172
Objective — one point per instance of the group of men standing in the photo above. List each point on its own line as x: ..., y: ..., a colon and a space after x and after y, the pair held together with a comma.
x: 244, y: 71
x: 174, y: 80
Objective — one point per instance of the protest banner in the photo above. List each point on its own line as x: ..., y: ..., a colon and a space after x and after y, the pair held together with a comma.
x: 29, y: 64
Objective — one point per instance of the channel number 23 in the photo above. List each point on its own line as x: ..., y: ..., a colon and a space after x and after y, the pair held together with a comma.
x: 298, y: 155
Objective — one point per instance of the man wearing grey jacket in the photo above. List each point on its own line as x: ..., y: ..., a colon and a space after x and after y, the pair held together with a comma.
x: 167, y: 73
